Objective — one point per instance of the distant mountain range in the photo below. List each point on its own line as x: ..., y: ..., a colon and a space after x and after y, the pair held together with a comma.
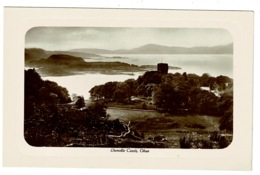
x: 160, y: 49
x: 85, y: 53
x: 75, y: 61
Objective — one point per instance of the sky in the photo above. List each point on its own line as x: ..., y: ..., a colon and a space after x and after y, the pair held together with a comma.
x: 67, y: 38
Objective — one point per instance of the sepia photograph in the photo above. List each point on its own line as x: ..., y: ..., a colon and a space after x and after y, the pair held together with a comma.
x: 158, y: 89
x: 128, y: 87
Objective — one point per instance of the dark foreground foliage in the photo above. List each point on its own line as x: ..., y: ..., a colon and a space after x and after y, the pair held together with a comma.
x: 214, y: 141
x: 52, y: 119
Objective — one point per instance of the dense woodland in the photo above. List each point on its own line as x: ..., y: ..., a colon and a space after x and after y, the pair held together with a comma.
x: 174, y: 93
x: 53, y: 119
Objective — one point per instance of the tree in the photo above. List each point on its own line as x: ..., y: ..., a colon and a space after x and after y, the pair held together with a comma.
x: 96, y: 92
x: 80, y: 102
x: 150, y: 77
x: 122, y: 93
x: 33, y: 83
x: 120, y: 96
x: 225, y: 106
x: 208, y: 103
x: 132, y: 84
x: 226, y: 121
x: 108, y: 89
x: 97, y: 111
x: 204, y: 79
x: 222, y: 81
x: 62, y: 93
x: 194, y: 98
x: 166, y: 97
x: 40, y: 91
x: 185, y: 76
x: 225, y: 103
x: 193, y: 80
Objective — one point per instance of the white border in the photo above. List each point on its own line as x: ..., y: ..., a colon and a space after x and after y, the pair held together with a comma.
x: 19, y: 20
x: 253, y: 5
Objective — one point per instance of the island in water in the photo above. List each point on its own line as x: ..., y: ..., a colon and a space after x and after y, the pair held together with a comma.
x: 64, y: 63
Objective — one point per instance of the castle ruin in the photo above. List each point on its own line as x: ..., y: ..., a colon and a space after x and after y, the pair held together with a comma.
x: 162, y: 68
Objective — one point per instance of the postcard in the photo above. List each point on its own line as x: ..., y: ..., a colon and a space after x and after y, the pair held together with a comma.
x: 128, y: 88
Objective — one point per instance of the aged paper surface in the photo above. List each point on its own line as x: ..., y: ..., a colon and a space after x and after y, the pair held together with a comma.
x: 18, y: 153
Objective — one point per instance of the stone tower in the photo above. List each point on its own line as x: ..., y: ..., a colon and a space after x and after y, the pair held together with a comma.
x: 162, y: 68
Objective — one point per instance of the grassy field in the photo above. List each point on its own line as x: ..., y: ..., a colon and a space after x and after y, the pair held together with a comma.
x: 172, y: 127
